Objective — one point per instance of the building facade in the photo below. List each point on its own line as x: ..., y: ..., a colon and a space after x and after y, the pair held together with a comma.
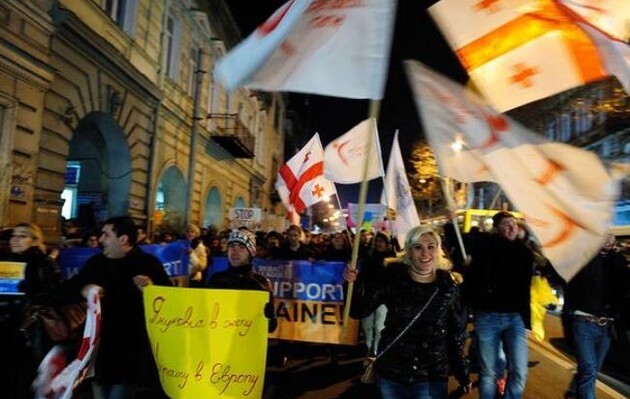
x: 108, y: 107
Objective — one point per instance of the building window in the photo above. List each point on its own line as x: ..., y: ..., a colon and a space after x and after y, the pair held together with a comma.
x: 171, y: 49
x: 123, y: 13
x: 192, y: 67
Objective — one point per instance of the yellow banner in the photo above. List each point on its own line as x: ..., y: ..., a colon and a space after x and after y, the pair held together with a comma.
x: 208, y: 343
x: 12, y: 270
x: 314, y: 321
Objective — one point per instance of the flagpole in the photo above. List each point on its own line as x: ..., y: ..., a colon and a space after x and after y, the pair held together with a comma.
x: 451, y: 207
x: 391, y: 223
x: 375, y: 106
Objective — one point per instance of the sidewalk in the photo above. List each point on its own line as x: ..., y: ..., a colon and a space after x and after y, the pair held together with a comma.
x: 557, y: 370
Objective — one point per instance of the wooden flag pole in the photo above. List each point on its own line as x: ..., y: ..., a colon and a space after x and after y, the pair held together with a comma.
x: 451, y: 208
x: 375, y: 106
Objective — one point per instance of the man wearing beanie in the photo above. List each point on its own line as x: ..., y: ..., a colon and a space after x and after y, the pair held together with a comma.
x: 240, y: 275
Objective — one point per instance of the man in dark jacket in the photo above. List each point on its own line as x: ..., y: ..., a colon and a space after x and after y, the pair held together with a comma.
x: 497, y: 289
x: 241, y: 249
x: 125, y: 367
x: 594, y: 299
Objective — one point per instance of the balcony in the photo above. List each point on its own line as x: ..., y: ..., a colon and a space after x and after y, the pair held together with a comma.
x: 228, y: 131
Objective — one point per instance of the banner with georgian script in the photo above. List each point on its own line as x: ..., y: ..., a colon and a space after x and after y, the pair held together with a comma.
x: 208, y: 343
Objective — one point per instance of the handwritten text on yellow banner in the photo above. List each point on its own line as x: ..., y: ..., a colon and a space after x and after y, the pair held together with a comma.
x: 208, y: 343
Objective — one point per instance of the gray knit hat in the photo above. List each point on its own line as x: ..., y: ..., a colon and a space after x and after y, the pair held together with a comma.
x: 246, y: 238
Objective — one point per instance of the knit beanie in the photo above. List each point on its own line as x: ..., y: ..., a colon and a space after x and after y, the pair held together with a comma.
x: 245, y: 238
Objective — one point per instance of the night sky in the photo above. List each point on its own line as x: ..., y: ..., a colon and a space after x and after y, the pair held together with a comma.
x: 415, y: 37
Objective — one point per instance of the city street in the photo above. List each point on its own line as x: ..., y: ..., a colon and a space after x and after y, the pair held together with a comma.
x: 311, y: 373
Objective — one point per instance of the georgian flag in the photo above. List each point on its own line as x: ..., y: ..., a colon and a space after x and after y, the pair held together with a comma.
x: 57, y: 376
x: 520, y: 51
x: 301, y: 181
x: 568, y: 209
x: 332, y: 48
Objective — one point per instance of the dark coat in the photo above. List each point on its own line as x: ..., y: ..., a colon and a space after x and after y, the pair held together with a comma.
x: 600, y: 287
x: 245, y: 278
x: 499, y: 276
x: 433, y: 343
x: 124, y: 355
x: 41, y: 276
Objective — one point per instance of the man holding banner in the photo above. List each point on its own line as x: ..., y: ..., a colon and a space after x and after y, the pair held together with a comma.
x: 240, y: 275
x: 124, y: 364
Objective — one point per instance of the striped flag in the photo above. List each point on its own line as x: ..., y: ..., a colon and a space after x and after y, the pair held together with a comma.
x: 520, y: 51
x: 567, y: 209
x: 332, y: 48
x: 301, y: 181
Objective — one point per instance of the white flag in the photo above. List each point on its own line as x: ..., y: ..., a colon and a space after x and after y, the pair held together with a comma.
x: 57, y: 375
x: 564, y: 192
x: 520, y: 51
x: 397, y: 194
x: 301, y: 181
x: 345, y: 157
x: 333, y: 48
x: 607, y: 24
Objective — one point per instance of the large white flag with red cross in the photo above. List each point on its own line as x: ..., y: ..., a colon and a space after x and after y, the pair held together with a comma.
x: 564, y: 192
x: 301, y: 181
x: 333, y: 48
x: 520, y: 51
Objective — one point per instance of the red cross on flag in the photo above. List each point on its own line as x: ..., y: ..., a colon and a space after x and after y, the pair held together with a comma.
x: 520, y: 51
x: 568, y: 210
x: 301, y: 181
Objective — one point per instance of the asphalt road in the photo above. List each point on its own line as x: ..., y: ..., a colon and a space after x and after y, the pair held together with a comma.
x: 326, y: 372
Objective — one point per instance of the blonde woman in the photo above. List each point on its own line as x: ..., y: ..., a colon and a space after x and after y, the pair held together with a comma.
x: 415, y: 351
x: 29, y: 343
x: 41, y: 275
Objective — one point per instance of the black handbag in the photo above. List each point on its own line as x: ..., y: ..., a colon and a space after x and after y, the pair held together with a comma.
x: 59, y: 325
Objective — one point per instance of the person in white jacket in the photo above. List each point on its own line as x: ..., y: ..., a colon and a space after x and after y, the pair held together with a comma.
x: 198, y: 256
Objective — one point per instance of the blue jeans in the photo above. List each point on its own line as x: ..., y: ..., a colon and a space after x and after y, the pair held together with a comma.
x: 591, y: 345
x: 420, y: 390
x: 493, y: 329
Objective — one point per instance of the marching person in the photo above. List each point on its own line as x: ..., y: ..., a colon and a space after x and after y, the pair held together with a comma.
x: 240, y: 275
x: 594, y: 297
x: 124, y: 366
x: 425, y: 325
x: 497, y: 289
x: 20, y: 357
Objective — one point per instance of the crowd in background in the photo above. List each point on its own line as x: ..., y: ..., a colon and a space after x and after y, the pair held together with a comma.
x: 25, y: 243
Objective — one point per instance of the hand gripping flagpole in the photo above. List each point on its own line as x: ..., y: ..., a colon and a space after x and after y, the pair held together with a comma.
x: 375, y: 106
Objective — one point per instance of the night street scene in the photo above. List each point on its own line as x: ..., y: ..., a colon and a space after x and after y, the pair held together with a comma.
x: 314, y: 199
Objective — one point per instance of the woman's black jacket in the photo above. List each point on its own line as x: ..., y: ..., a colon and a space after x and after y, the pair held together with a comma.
x: 434, y: 343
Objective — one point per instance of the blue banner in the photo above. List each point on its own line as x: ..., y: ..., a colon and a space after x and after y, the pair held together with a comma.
x: 174, y: 257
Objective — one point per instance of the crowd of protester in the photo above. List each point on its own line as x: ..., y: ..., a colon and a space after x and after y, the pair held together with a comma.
x: 496, y: 289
